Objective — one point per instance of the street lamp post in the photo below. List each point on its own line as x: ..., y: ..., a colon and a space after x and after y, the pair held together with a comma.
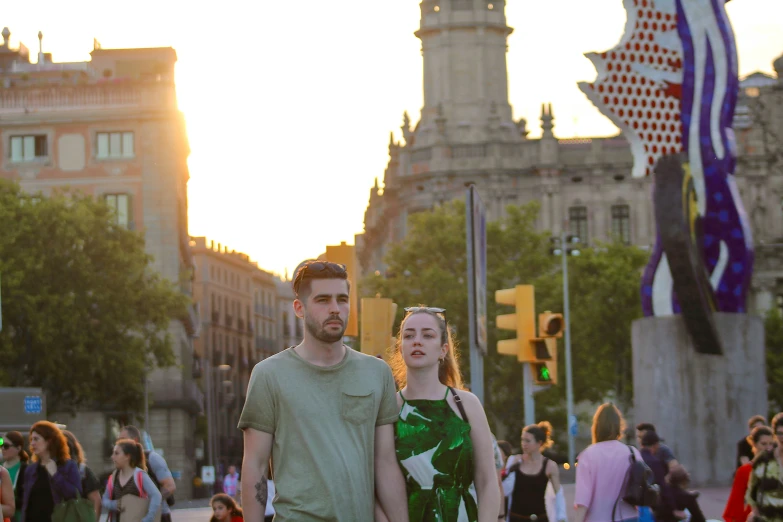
x: 564, y: 252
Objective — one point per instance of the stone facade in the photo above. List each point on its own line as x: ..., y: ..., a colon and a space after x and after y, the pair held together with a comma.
x: 242, y: 309
x: 110, y: 127
x: 466, y: 135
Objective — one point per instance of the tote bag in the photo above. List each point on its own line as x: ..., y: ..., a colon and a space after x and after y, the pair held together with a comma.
x: 74, y: 510
x: 134, y: 509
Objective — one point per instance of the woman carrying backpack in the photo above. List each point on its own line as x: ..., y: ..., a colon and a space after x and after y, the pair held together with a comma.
x: 602, y: 470
x: 129, y: 484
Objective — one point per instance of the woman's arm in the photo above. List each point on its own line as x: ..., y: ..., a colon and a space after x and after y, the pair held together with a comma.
x: 553, y: 472
x: 485, y: 478
x: 7, y: 493
x: 107, y: 502
x: 95, y: 498
x: 66, y: 480
x: 154, y: 495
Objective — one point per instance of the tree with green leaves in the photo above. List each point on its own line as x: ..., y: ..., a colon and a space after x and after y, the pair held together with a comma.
x: 429, y: 267
x: 84, y: 315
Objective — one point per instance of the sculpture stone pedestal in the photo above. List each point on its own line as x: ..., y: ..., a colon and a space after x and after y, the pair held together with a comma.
x: 700, y: 404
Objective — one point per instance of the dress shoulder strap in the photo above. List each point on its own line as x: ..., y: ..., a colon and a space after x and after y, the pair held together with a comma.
x: 543, y: 467
x: 459, y: 404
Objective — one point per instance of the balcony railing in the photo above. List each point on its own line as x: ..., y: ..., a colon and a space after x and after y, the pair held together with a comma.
x: 229, y: 320
x: 91, y: 96
x: 240, y: 324
x: 216, y: 317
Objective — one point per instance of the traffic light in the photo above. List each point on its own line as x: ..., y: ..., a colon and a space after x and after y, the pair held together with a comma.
x: 522, y: 297
x: 377, y: 322
x: 550, y: 325
x: 550, y: 329
x: 346, y: 255
x: 545, y: 367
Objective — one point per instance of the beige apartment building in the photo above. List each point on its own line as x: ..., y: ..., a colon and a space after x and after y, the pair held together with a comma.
x: 244, y: 319
x: 110, y: 127
x: 466, y: 135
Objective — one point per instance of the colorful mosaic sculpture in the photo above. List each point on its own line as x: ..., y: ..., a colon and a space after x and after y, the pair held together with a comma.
x: 671, y: 86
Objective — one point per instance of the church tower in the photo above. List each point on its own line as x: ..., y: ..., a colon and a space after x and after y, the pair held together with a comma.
x: 464, y: 44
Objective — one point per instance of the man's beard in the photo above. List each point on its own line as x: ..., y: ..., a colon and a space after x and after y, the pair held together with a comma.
x: 319, y: 330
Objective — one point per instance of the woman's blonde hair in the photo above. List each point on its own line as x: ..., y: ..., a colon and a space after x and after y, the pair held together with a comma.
x: 608, y: 423
x: 448, y: 370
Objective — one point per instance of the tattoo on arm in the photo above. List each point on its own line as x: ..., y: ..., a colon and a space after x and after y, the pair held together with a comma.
x: 261, y: 491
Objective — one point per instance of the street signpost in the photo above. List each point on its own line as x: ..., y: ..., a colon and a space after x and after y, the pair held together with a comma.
x: 21, y: 408
x: 476, y: 229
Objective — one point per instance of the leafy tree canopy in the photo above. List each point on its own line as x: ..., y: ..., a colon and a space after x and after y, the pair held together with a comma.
x: 429, y: 267
x: 83, y: 313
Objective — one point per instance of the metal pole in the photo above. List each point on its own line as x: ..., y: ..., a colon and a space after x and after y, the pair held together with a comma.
x: 476, y: 359
x: 527, y: 394
x: 210, y: 428
x: 146, y: 404
x: 569, y: 374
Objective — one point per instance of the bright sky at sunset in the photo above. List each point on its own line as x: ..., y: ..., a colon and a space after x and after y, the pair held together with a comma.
x: 289, y: 104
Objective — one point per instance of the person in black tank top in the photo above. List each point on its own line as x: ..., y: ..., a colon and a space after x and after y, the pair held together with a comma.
x: 528, y: 476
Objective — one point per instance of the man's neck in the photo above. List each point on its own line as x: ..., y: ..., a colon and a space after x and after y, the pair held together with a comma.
x: 321, y: 354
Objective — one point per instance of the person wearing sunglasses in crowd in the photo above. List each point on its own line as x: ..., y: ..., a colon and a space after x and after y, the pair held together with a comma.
x: 15, y: 461
x: 443, y: 441
x: 326, y: 415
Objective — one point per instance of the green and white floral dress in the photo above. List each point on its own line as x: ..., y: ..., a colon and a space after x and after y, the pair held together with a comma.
x: 435, y: 452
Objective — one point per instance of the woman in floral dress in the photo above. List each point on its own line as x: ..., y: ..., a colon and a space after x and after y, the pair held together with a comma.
x: 443, y: 441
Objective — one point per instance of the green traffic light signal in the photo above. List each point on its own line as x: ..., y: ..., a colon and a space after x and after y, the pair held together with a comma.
x: 542, y: 373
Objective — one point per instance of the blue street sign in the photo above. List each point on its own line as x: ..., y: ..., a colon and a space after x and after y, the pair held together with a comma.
x: 33, y: 405
x: 573, y: 425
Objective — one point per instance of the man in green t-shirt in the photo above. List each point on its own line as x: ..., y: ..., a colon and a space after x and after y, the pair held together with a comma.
x: 325, y: 414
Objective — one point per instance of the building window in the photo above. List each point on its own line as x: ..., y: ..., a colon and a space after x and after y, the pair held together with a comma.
x: 121, y: 205
x: 577, y: 220
x: 115, y: 145
x: 29, y: 148
x: 621, y: 223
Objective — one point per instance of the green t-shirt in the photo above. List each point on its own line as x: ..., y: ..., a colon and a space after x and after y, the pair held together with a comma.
x: 323, y: 420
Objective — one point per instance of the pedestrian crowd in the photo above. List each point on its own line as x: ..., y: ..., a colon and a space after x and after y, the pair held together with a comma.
x: 54, y: 483
x: 331, y: 434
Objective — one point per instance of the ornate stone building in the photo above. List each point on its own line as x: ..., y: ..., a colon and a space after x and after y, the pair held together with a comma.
x: 110, y: 127
x: 466, y: 135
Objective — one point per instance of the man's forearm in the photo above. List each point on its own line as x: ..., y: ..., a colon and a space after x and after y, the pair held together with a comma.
x: 254, y: 493
x: 390, y: 490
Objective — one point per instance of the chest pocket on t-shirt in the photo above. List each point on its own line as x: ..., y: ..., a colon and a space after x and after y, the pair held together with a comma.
x: 358, y: 406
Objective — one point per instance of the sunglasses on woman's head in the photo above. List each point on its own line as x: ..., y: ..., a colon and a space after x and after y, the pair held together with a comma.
x: 425, y: 309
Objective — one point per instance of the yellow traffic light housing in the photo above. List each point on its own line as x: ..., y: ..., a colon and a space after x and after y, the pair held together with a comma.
x: 522, y: 297
x: 550, y: 325
x: 378, y: 315
x: 346, y: 255
x: 544, y: 367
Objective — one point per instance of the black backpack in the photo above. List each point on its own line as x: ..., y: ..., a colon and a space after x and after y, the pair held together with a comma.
x: 170, y: 498
x: 639, y: 486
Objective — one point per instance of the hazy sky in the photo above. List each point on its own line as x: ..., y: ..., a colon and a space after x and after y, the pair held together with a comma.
x: 289, y: 104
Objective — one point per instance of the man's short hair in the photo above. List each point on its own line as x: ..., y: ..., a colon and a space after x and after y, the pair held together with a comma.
x: 133, y: 432
x: 313, y: 269
x: 645, y: 426
x: 755, y: 420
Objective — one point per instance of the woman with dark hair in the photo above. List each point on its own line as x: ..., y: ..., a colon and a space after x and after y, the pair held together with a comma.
x: 765, y: 486
x: 601, y: 472
x: 91, y: 488
x: 443, y: 441
x: 528, y: 476
x: 130, y: 480
x: 745, y: 451
x: 15, y: 461
x: 52, y: 478
x: 225, y: 509
x: 762, y: 440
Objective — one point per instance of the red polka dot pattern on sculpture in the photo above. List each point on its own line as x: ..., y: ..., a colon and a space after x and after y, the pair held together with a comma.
x: 648, y: 106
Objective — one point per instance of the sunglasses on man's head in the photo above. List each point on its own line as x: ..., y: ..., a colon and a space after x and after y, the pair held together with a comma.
x: 316, y: 268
